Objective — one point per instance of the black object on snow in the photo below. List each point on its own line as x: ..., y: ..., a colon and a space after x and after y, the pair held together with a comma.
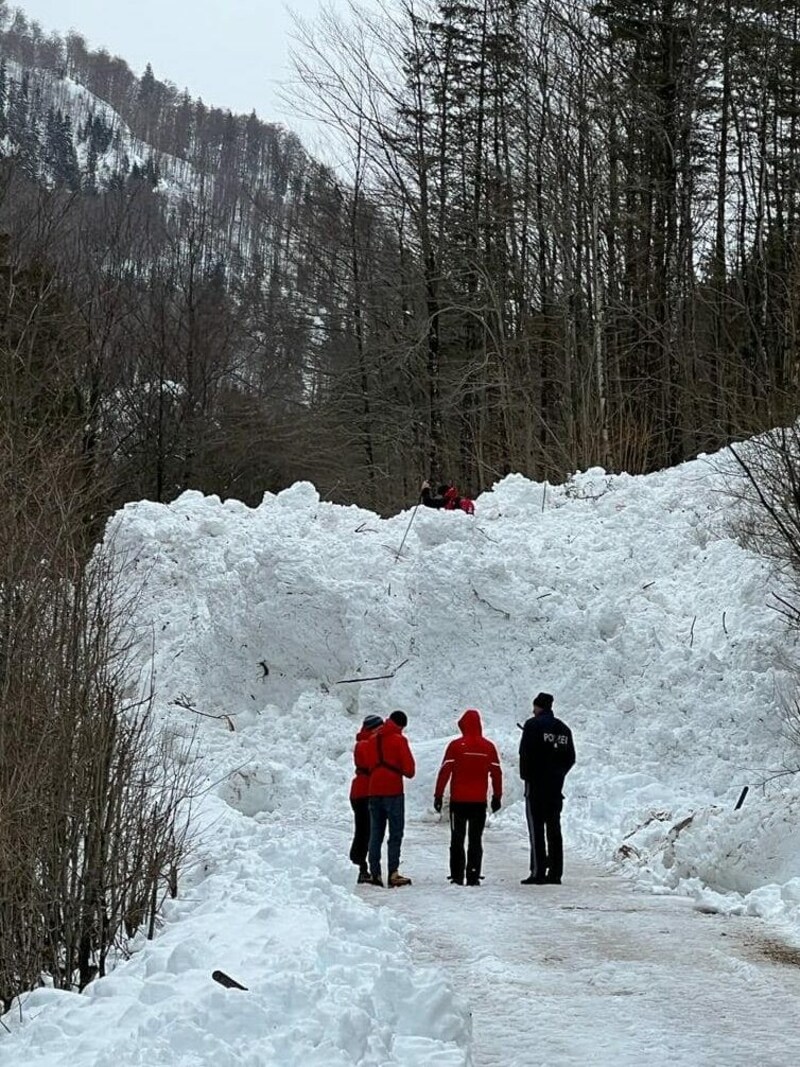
x: 227, y: 981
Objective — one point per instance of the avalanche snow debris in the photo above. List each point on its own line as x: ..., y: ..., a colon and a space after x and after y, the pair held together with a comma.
x: 624, y: 596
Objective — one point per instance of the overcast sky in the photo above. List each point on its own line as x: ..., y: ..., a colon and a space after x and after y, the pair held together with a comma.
x: 233, y: 53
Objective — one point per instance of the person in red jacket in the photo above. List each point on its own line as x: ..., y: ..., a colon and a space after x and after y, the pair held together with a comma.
x: 469, y: 762
x: 359, y: 796
x: 448, y: 499
x: 389, y: 760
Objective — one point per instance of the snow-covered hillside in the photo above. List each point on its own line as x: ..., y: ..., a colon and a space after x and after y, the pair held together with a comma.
x: 628, y: 598
x: 105, y: 148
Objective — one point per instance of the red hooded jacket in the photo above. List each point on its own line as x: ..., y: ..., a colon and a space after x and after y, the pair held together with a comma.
x: 471, y: 760
x: 452, y: 501
x: 359, y: 787
x: 389, y: 759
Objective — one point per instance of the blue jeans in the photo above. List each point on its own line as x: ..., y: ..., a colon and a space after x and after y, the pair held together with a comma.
x: 383, y: 810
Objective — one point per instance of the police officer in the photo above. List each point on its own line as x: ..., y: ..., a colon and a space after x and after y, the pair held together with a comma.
x: 546, y: 754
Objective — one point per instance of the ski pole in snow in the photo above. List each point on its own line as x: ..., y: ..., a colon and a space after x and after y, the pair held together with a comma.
x: 405, y: 535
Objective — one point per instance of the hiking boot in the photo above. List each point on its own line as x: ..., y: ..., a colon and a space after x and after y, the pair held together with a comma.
x: 552, y: 881
x: 375, y: 879
x: 397, y: 879
x: 455, y: 881
x: 530, y: 880
x: 363, y: 875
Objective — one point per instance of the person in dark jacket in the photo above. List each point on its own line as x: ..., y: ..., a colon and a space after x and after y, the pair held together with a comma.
x: 469, y: 762
x: 359, y: 796
x: 431, y: 499
x: 389, y: 761
x: 546, y: 754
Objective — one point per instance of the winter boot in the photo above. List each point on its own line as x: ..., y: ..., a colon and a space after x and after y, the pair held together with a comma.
x: 397, y: 879
x: 530, y: 880
x: 375, y: 879
x: 363, y: 875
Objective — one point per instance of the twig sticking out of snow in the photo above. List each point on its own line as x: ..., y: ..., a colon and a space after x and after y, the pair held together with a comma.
x: 183, y: 702
x: 500, y: 611
x: 374, y: 677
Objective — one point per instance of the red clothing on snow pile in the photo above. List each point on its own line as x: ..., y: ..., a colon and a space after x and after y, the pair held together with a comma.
x: 448, y: 499
x: 452, y: 501
x: 389, y: 759
x: 471, y: 760
x: 359, y: 787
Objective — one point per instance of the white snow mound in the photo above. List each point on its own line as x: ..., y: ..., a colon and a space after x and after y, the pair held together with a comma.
x: 626, y: 597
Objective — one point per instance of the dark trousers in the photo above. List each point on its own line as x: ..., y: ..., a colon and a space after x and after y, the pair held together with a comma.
x: 385, y: 811
x: 466, y: 820
x: 358, y: 849
x: 543, y: 811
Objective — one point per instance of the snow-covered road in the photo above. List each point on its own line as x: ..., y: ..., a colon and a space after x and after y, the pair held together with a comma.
x: 590, y: 972
x: 593, y: 971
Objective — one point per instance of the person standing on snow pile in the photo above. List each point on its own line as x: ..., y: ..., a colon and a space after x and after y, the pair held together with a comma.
x: 447, y: 499
x: 389, y: 761
x: 469, y: 762
x: 546, y: 754
x: 359, y: 796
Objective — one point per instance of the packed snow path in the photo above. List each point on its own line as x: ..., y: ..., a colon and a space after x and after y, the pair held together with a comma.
x: 593, y: 971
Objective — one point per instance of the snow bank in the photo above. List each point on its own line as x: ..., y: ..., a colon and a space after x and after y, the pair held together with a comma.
x: 624, y: 596
x: 330, y: 979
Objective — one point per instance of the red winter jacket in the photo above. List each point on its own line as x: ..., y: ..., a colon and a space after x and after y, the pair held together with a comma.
x: 359, y: 787
x: 389, y: 760
x: 452, y: 501
x: 471, y: 760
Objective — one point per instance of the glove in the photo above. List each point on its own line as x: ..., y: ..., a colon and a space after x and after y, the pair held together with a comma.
x: 437, y: 804
x: 496, y: 805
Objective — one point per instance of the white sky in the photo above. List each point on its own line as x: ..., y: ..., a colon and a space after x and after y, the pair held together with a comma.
x: 233, y: 53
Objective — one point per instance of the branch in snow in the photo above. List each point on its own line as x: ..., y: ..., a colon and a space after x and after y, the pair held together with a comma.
x: 374, y: 677
x: 500, y: 611
x: 183, y: 702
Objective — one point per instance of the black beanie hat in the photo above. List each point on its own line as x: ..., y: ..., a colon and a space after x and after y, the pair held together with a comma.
x: 372, y: 722
x: 543, y: 701
x: 400, y: 718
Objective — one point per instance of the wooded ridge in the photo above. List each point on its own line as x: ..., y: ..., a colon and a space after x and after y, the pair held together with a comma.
x: 565, y: 235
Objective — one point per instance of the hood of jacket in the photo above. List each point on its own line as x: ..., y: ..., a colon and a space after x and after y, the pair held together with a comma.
x: 388, y: 728
x: 470, y: 723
